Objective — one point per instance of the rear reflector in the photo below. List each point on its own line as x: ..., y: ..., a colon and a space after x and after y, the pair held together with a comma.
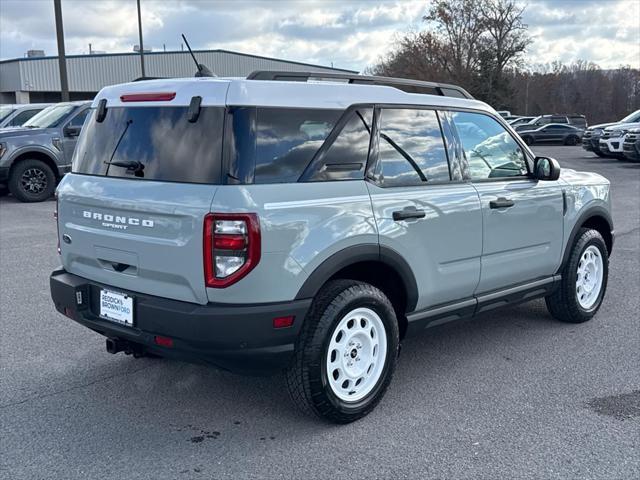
x: 163, y: 341
x: 148, y: 97
x: 283, y: 322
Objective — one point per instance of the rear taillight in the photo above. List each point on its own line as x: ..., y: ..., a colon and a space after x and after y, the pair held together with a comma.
x: 55, y: 216
x: 231, y: 247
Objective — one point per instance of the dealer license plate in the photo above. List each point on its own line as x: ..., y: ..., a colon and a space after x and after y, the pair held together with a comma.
x: 116, y: 307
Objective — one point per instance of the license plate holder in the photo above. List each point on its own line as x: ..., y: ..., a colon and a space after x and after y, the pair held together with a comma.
x: 116, y: 307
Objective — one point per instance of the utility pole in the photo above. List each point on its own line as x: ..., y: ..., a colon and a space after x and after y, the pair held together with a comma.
x: 62, y: 60
x: 141, y: 45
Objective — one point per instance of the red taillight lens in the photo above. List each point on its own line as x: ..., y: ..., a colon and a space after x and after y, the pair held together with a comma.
x: 148, y: 97
x: 231, y: 247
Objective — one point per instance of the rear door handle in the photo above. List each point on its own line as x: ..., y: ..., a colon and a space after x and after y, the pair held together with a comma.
x: 408, y: 213
x: 501, y: 202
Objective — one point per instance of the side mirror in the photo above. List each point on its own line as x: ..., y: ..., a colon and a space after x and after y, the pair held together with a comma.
x: 546, y: 168
x: 71, y: 131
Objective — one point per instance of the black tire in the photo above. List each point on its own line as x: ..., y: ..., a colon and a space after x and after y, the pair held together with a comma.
x: 528, y: 140
x: 307, y: 376
x: 599, y: 153
x: 571, y: 141
x: 563, y: 304
x: 32, y: 181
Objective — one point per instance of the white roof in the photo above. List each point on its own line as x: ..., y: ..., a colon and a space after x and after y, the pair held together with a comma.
x: 272, y: 93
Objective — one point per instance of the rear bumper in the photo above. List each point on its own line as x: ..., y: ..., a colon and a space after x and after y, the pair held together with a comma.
x: 238, y: 338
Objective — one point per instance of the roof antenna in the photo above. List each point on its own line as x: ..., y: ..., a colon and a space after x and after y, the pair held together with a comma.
x: 203, y: 71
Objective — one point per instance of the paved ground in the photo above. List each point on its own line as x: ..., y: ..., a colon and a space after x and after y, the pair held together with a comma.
x: 514, y: 395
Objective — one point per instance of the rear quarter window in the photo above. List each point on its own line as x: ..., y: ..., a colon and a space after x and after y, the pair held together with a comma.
x: 275, y: 145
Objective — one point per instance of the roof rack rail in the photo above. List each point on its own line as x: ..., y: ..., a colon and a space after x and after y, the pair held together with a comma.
x: 404, y: 84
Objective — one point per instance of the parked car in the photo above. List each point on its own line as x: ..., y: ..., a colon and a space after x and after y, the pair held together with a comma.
x: 591, y: 137
x: 520, y: 121
x: 553, y: 133
x: 579, y: 121
x: 631, y: 145
x: 35, y: 156
x: 504, y: 113
x: 612, y: 139
x: 14, y: 115
x: 244, y: 224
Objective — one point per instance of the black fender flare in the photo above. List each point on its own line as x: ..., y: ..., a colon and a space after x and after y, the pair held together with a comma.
x: 590, y: 212
x: 356, y: 254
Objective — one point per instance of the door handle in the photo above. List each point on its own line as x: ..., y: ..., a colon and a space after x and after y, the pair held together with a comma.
x: 501, y: 202
x: 408, y: 213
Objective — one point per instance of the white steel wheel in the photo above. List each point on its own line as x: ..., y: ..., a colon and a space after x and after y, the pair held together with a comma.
x: 356, y: 354
x: 589, y: 277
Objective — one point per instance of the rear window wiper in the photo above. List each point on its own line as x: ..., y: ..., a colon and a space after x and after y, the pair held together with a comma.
x: 115, y: 149
x: 132, y: 166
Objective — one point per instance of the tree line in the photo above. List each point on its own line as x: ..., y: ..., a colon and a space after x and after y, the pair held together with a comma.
x: 481, y: 45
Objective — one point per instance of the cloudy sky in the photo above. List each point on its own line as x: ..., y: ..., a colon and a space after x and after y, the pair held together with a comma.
x: 348, y: 33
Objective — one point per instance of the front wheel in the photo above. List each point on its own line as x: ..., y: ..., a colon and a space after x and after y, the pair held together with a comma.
x: 346, y: 354
x: 528, y: 140
x: 571, y: 141
x: 32, y: 180
x: 584, y: 280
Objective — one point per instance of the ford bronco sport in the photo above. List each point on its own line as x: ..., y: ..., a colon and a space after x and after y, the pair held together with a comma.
x: 275, y: 223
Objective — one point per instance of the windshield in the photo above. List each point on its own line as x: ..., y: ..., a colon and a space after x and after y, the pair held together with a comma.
x: 49, y: 117
x: 152, y: 143
x: 632, y: 117
x: 5, y: 111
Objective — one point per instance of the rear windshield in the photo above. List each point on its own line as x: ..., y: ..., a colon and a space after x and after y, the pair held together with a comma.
x: 153, y: 143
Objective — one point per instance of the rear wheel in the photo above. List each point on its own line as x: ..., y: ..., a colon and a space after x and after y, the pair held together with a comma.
x: 32, y: 181
x: 584, y: 280
x: 346, y: 353
x: 571, y: 140
x: 528, y: 140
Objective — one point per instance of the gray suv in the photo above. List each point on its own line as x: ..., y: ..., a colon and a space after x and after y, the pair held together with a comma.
x: 34, y: 157
x: 279, y: 224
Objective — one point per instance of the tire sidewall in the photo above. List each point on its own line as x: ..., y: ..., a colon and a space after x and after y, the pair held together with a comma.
x: 15, y: 185
x: 326, y: 330
x: 581, y: 246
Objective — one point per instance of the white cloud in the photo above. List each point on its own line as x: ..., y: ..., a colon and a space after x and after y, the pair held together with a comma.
x: 349, y: 33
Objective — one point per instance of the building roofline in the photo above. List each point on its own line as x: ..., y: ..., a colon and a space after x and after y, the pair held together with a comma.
x: 218, y: 50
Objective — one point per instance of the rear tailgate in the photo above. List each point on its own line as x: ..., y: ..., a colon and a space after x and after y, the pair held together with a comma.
x: 142, y: 236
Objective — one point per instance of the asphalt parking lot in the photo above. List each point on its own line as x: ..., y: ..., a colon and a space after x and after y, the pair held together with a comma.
x: 511, y: 395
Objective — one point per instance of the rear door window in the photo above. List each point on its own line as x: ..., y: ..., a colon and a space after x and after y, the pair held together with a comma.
x: 152, y: 143
x: 411, y: 149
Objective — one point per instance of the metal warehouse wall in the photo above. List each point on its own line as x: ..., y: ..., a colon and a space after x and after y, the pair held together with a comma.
x: 89, y: 73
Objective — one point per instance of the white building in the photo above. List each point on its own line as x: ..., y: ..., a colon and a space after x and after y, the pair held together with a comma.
x: 37, y: 79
